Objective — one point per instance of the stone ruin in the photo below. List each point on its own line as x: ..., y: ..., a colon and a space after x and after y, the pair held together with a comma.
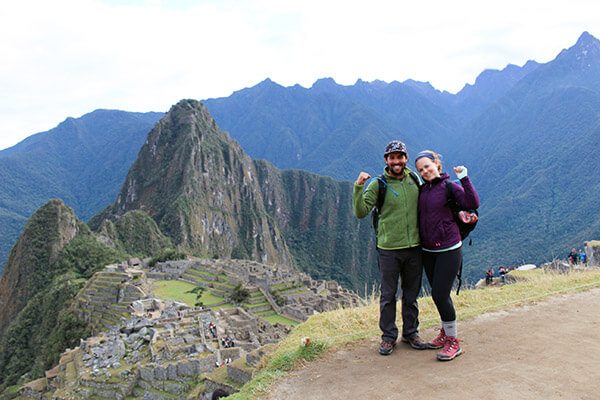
x: 159, y: 349
x: 159, y: 356
x: 302, y: 296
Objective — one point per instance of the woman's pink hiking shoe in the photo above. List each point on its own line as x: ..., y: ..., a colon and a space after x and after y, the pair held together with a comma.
x: 451, y: 349
x: 439, y: 341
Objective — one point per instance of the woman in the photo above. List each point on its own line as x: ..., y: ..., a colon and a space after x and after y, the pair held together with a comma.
x: 441, y: 241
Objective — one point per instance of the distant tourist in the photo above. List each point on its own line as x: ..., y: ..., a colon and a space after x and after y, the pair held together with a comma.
x: 227, y: 342
x: 502, y: 273
x: 582, y: 257
x: 442, y: 244
x: 212, y: 328
x: 573, y: 257
x: 398, y: 243
x: 489, y: 276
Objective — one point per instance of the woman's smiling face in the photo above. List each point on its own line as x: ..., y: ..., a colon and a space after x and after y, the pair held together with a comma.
x: 427, y: 168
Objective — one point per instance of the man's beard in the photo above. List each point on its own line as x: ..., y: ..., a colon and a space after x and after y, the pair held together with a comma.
x: 396, y: 169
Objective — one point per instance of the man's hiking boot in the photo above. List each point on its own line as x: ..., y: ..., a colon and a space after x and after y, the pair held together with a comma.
x: 415, y: 342
x: 451, y: 349
x: 386, y: 348
x: 439, y: 341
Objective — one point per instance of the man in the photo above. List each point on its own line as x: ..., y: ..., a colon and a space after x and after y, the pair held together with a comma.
x: 398, y: 244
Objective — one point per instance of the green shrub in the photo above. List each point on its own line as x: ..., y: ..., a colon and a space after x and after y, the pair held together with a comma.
x: 167, y: 254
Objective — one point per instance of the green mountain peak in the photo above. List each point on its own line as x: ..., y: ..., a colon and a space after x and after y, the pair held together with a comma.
x: 31, y: 261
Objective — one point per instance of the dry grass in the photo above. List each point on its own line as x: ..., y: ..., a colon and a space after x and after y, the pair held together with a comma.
x: 335, y: 328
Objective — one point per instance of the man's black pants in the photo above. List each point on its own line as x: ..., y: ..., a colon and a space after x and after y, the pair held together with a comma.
x: 406, y: 265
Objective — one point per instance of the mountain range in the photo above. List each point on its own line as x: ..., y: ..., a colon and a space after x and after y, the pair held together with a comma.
x: 508, y: 128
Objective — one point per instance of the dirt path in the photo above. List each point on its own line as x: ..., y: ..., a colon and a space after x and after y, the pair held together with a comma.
x: 549, y: 350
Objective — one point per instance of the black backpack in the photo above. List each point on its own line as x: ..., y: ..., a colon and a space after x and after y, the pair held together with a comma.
x: 383, y: 185
x: 464, y: 228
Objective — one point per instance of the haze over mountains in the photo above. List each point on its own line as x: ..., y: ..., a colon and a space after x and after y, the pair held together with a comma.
x: 529, y: 136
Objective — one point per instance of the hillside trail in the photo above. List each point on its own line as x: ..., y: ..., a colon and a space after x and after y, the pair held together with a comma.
x: 547, y: 350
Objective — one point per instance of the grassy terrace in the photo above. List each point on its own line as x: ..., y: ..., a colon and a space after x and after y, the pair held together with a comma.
x: 337, y: 328
x: 285, y: 286
x: 203, y: 273
x: 275, y: 318
x: 293, y: 291
x: 179, y: 291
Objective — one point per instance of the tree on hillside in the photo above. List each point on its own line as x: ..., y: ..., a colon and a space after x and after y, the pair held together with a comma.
x: 198, y: 290
x: 239, y: 294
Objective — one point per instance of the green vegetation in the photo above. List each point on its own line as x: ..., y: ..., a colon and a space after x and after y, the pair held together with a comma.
x: 137, y: 234
x: 337, y: 328
x: 198, y: 291
x: 239, y: 294
x: 167, y: 254
x: 10, y: 392
x: 35, y: 253
x: 85, y: 255
x: 45, y: 325
x: 175, y: 290
x: 41, y: 331
x: 183, y: 292
x: 275, y: 318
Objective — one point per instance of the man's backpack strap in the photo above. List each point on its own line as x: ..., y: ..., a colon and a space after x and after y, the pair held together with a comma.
x: 416, y: 178
x: 382, y: 182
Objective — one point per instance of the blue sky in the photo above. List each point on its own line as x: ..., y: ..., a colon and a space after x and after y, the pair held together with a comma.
x: 65, y: 58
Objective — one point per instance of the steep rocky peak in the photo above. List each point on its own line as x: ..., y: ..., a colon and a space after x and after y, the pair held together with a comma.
x: 200, y: 188
x: 189, y: 113
x: 587, y: 46
x: 583, y: 53
x: 187, y: 125
x: 55, y: 222
x: 586, y: 40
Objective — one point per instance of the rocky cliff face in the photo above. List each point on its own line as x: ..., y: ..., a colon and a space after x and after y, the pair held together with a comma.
x: 315, y: 215
x: 29, y: 267
x: 201, y: 189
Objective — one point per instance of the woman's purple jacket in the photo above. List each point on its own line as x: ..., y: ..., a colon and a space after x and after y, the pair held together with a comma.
x: 436, y: 225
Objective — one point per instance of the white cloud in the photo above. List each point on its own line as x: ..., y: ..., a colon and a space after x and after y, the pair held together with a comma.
x: 66, y: 58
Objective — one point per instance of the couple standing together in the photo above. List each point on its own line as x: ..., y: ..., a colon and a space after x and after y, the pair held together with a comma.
x: 416, y: 231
